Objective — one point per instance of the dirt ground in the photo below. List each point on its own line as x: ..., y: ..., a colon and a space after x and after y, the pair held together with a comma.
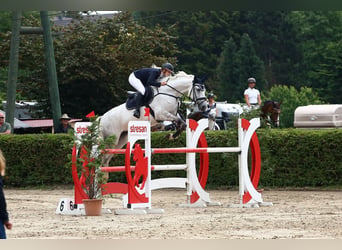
x: 294, y: 215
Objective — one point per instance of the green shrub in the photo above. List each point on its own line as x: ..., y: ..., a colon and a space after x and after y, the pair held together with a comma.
x: 36, y: 159
x: 301, y: 158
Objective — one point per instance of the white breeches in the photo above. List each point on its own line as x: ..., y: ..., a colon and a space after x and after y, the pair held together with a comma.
x: 136, y: 83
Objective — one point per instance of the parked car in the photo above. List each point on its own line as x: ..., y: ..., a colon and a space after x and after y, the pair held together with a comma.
x: 225, y: 111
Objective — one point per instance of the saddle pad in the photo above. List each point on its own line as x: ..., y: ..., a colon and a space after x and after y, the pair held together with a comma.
x: 147, y: 99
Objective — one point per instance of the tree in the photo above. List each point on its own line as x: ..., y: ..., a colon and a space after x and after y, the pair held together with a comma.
x: 276, y: 44
x: 297, y: 48
x: 93, y: 59
x: 235, y: 66
x: 320, y: 33
x: 250, y: 65
x: 102, y: 54
x: 5, y: 21
x: 228, y: 73
x: 200, y: 35
x: 331, y: 72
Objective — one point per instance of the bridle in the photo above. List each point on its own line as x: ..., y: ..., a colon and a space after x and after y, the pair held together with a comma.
x: 195, y: 98
x: 275, y: 112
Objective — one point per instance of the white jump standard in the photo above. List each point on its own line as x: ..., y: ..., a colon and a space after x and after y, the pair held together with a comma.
x: 191, y: 182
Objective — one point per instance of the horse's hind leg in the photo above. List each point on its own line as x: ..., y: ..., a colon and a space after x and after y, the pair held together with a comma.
x: 123, y: 140
x: 105, y: 162
x: 106, y: 159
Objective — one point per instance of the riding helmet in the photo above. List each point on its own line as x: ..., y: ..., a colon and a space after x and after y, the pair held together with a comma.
x: 211, y: 95
x: 251, y: 79
x: 168, y: 66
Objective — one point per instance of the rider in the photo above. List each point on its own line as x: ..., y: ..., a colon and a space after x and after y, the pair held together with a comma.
x: 211, y: 101
x: 252, y: 95
x: 211, y: 111
x: 142, y: 78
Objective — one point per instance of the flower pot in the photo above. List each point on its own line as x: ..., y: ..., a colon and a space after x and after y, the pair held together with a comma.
x: 92, y: 207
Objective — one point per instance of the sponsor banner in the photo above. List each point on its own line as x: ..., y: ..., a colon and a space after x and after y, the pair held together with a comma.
x: 80, y: 129
x: 138, y: 130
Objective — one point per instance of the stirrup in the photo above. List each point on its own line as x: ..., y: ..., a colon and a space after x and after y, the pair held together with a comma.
x: 131, y: 93
x: 136, y: 113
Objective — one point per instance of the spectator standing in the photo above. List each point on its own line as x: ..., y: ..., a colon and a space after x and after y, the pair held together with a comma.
x: 212, y: 111
x: 64, y: 126
x: 5, y: 127
x: 4, y: 221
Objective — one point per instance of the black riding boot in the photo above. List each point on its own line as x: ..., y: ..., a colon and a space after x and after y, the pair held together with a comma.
x: 138, y: 100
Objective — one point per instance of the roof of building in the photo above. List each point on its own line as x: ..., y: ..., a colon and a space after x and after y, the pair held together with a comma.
x: 65, y: 21
x: 20, y: 124
x: 39, y: 123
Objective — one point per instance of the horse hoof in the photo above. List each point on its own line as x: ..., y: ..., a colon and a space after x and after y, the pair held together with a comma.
x: 169, y: 136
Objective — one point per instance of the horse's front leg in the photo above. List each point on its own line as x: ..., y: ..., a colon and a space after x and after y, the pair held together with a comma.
x: 163, y: 115
x: 180, y: 127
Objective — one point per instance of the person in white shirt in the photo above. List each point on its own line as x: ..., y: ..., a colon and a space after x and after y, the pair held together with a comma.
x: 252, y: 95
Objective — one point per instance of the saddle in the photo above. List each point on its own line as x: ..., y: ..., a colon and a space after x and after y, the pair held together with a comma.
x: 147, y: 98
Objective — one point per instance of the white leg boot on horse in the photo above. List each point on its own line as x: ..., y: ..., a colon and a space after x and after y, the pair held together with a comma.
x: 181, y: 126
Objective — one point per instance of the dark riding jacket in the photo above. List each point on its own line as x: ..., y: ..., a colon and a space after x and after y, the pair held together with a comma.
x: 148, y: 76
x: 3, y: 210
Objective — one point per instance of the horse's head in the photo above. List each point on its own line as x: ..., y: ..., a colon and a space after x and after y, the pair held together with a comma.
x: 197, y: 93
x: 273, y: 109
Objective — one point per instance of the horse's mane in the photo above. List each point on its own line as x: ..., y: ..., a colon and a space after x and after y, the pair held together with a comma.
x: 274, y: 103
x: 155, y: 66
x: 180, y: 74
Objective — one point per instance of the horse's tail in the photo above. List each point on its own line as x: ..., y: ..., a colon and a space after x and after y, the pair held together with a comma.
x: 98, y: 119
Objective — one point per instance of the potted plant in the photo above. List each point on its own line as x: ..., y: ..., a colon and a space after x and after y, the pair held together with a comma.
x: 91, y: 146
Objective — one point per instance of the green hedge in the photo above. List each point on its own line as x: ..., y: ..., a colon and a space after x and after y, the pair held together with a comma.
x: 36, y: 159
x: 290, y: 158
x: 301, y: 157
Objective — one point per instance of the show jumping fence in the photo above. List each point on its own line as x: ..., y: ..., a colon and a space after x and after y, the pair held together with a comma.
x: 137, y: 196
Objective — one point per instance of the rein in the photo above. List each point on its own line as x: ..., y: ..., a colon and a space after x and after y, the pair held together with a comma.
x: 273, y: 111
x: 181, y: 94
x: 179, y: 98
